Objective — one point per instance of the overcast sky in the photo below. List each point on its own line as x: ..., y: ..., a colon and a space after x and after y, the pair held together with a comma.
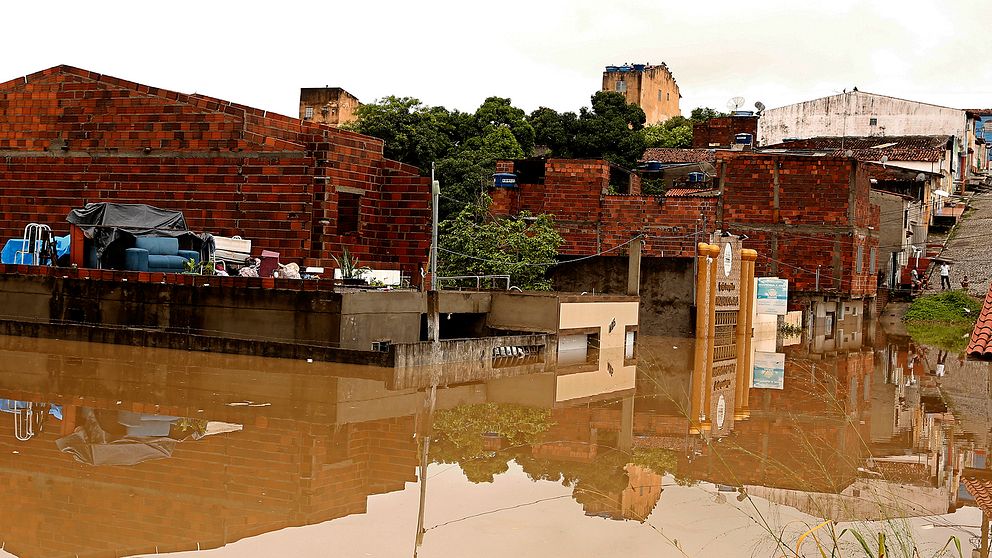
x: 537, y: 52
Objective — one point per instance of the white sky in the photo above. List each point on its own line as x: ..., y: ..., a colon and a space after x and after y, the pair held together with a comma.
x: 538, y: 52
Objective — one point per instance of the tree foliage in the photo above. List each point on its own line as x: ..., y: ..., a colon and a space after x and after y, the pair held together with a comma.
x: 523, y: 247
x: 459, y: 436
x: 465, y: 145
x: 677, y: 131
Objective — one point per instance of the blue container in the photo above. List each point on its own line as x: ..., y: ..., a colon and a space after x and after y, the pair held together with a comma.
x: 639, y: 67
x: 612, y: 68
x: 744, y: 139
x: 697, y: 177
x: 653, y: 165
x: 504, y: 180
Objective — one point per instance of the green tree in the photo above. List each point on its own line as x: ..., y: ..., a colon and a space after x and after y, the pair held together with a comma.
x: 465, y: 173
x: 612, y: 129
x: 413, y: 132
x: 459, y: 436
x: 498, y: 112
x: 523, y: 247
x: 674, y: 132
x: 702, y: 114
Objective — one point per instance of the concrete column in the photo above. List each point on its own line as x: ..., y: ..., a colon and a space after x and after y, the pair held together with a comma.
x: 711, y: 262
x: 627, y: 424
x: 697, y: 412
x: 744, y: 326
x: 634, y: 268
x: 433, y: 316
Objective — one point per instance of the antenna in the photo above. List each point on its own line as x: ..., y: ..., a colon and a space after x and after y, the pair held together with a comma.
x: 735, y: 103
x: 759, y: 105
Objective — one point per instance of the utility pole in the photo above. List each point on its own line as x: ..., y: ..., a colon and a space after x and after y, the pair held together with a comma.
x: 435, y: 196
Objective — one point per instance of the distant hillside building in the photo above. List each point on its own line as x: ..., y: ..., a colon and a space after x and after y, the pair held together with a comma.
x: 652, y: 88
x: 327, y: 105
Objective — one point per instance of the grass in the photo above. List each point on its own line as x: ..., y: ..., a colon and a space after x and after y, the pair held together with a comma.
x: 950, y: 337
x: 948, y: 307
x: 943, y: 320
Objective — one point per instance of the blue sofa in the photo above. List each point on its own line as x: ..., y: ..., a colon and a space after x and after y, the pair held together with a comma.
x: 158, y: 254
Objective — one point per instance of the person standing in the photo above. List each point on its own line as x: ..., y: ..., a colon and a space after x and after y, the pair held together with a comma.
x: 945, y: 276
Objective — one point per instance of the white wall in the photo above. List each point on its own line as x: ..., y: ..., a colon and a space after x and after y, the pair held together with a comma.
x: 848, y: 114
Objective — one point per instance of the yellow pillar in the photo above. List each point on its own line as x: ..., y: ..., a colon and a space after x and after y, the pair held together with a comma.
x: 745, y: 323
x: 696, y: 408
x: 713, y: 252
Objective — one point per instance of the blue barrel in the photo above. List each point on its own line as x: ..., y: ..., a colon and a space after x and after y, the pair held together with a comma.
x: 653, y: 165
x: 504, y: 180
x: 639, y: 67
x: 612, y: 68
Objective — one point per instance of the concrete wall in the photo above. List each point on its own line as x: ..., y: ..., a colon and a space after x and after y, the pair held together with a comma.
x: 850, y: 114
x: 666, y: 289
x: 330, y: 105
x: 892, y: 237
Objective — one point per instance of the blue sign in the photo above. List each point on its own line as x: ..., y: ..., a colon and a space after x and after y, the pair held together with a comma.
x: 772, y: 296
x: 769, y: 370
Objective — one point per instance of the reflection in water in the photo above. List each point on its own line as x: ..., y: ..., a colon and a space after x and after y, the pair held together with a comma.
x: 862, y: 428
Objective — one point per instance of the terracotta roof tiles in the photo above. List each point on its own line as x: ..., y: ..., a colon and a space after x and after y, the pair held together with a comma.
x: 979, y: 484
x: 981, y: 337
x: 928, y: 149
x: 677, y: 155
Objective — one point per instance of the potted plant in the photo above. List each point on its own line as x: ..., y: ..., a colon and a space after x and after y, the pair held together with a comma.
x: 351, y: 271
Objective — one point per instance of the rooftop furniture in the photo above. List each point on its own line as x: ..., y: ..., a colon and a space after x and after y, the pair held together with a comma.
x: 158, y: 254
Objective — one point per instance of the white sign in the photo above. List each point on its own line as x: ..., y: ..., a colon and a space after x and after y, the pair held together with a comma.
x: 721, y: 411
x: 769, y: 370
x: 728, y: 259
x: 772, y: 296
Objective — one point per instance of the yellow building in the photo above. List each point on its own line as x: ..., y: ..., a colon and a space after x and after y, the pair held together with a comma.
x: 653, y: 88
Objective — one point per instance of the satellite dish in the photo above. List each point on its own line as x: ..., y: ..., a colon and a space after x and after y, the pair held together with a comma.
x: 884, y: 159
x: 921, y: 177
x: 735, y: 103
x: 760, y: 106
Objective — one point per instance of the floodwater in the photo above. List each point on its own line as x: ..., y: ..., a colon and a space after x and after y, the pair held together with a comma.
x: 122, y: 451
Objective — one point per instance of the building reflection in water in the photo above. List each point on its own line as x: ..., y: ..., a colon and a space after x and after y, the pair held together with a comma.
x: 859, y: 431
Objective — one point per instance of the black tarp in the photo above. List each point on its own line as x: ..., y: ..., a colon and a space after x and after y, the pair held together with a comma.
x: 112, y: 227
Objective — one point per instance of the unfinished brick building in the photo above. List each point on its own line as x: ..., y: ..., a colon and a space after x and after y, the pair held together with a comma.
x: 306, y: 190
x: 802, y: 214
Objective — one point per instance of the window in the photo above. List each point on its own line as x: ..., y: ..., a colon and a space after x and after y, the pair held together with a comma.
x: 349, y: 206
x: 659, y: 94
x: 873, y: 122
x: 859, y: 262
x: 621, y: 86
x: 307, y: 113
x: 668, y: 96
x: 873, y: 260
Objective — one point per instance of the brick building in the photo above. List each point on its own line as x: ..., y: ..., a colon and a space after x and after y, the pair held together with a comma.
x: 721, y: 132
x: 804, y: 215
x: 69, y: 136
x: 653, y: 88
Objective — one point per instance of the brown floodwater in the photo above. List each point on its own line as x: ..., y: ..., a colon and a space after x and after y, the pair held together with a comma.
x: 122, y: 451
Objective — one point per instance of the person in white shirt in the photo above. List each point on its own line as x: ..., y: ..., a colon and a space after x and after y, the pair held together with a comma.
x: 945, y: 276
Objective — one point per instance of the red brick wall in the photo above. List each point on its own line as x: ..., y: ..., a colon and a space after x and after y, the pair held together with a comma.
x: 274, y: 474
x: 721, y: 131
x: 70, y: 137
x: 591, y: 221
x: 824, y: 214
